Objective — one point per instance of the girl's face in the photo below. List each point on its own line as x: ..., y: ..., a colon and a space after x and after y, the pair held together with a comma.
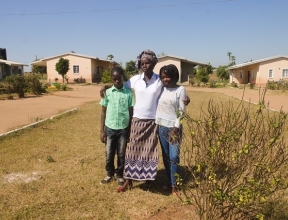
x: 167, y: 81
x: 146, y: 65
x: 117, y: 80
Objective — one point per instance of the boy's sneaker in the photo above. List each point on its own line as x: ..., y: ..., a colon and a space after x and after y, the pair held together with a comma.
x: 120, y: 181
x: 106, y: 180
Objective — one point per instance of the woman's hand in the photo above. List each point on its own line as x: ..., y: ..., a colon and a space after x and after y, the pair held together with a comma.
x: 186, y: 101
x: 103, y: 90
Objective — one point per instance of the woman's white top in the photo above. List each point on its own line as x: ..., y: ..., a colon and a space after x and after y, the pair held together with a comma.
x: 147, y: 95
x: 171, y: 107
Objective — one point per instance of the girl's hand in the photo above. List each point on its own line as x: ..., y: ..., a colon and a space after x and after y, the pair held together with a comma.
x: 174, y: 136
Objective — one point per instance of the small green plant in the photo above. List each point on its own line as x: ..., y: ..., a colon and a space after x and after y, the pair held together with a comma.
x: 234, y: 84
x: 192, y: 81
x: 252, y: 85
x: 66, y: 78
x: 212, y: 84
x: 64, y: 87
x: 49, y: 159
x: 58, y: 86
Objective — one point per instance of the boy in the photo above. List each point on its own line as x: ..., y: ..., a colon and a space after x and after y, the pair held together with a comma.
x: 117, y: 112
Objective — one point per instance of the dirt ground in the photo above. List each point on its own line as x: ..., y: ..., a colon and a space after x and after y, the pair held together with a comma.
x: 20, y: 112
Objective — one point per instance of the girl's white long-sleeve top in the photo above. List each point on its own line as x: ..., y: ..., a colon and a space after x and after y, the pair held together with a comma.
x: 171, y: 107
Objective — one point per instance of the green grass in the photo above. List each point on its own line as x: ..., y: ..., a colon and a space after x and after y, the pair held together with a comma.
x: 67, y: 161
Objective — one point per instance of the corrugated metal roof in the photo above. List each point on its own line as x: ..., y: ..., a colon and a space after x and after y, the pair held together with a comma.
x: 183, y: 59
x: 256, y: 61
x: 12, y: 63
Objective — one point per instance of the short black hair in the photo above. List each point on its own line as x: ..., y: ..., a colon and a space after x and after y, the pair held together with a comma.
x: 117, y: 69
x: 171, y: 71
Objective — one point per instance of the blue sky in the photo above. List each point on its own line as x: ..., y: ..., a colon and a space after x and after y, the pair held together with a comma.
x: 199, y: 30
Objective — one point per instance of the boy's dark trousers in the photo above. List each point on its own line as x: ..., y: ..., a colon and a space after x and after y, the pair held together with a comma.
x: 115, y: 143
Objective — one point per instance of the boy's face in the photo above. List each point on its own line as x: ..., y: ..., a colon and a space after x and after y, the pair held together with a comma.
x: 117, y: 80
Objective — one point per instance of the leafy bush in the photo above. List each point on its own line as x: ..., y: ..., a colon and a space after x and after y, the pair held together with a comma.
x: 35, y: 85
x: 106, y: 76
x: 277, y: 85
x: 238, y: 161
x: 17, y: 84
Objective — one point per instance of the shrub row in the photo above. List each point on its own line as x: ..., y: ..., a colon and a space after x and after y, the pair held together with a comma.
x: 20, y: 85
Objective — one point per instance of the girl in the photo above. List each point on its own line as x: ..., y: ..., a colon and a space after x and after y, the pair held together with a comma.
x: 168, y: 116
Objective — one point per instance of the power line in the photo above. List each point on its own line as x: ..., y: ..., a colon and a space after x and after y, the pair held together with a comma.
x: 115, y: 9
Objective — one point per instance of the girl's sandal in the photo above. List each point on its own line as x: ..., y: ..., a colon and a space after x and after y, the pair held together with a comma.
x: 175, y: 191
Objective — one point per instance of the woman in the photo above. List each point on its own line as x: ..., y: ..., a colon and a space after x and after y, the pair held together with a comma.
x: 141, y: 159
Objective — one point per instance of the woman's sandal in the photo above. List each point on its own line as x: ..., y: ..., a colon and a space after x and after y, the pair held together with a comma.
x: 166, y: 187
x: 148, y: 184
x: 127, y: 185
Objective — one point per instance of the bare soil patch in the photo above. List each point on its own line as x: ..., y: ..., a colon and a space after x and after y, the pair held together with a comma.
x: 19, y: 112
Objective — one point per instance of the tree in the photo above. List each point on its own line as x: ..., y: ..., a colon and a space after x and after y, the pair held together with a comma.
x: 110, y: 57
x: 222, y: 72
x: 229, y: 55
x: 161, y: 54
x: 232, y: 59
x: 130, y: 67
x: 203, y: 73
x: 39, y: 69
x: 62, y: 67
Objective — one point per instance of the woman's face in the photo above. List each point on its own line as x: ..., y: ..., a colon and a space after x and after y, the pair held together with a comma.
x: 146, y: 65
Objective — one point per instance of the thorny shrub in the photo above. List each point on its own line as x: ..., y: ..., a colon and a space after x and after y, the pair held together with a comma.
x: 237, y: 159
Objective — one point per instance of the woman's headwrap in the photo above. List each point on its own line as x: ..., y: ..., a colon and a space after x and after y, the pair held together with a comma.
x: 149, y: 54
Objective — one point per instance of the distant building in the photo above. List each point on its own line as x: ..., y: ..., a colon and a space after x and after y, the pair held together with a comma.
x: 8, y: 68
x: 184, y: 66
x: 260, y: 71
x: 88, y: 68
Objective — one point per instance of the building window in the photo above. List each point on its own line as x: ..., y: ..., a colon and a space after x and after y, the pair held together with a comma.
x: 285, y: 73
x: 252, y: 75
x: 75, y: 69
x: 270, y: 74
x: 241, y: 74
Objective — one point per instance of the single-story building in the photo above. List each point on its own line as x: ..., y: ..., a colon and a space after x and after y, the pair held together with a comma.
x: 260, y: 71
x: 184, y: 66
x: 88, y: 68
x: 8, y: 68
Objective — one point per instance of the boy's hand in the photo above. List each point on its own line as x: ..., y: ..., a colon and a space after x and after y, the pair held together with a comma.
x: 103, y: 137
